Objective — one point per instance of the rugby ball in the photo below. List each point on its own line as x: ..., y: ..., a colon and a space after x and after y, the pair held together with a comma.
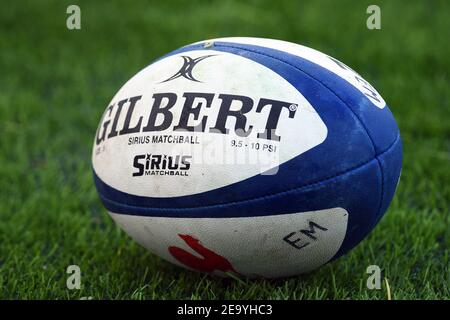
x: 247, y: 156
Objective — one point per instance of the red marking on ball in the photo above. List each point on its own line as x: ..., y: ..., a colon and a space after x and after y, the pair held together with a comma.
x: 210, y: 262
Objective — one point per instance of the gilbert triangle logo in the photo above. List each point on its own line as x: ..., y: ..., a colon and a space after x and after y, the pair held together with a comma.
x: 187, y: 68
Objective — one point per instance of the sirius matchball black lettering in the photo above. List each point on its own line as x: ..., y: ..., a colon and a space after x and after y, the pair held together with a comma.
x: 164, y: 103
x: 146, y: 164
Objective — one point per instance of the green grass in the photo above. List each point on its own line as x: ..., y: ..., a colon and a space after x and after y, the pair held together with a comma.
x: 55, y: 84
